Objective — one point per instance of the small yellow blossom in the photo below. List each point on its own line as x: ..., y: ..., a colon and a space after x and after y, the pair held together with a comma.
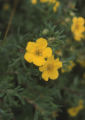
x: 78, y: 25
x: 78, y: 36
x: 56, y: 6
x: 73, y: 111
x: 34, y: 2
x: 36, y: 52
x: 54, y: 2
x: 78, y: 28
x: 81, y: 104
x: 50, y: 68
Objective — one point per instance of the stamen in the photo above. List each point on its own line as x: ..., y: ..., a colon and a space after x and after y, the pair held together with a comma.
x: 38, y: 52
x: 49, y: 67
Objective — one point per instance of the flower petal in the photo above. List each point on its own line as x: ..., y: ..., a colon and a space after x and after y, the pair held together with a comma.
x: 42, y: 42
x: 47, y: 52
x: 81, y: 20
x: 38, y: 60
x: 75, y: 20
x: 30, y: 46
x: 73, y: 111
x: 42, y: 68
x: 58, y: 63
x: 28, y: 57
x: 45, y: 76
x: 54, y: 75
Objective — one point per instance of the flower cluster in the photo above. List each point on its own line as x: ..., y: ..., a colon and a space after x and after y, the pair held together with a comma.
x: 55, y: 3
x: 40, y: 55
x: 75, y: 110
x: 78, y: 28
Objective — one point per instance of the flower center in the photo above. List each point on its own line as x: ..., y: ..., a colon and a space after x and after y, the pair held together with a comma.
x: 75, y: 110
x: 49, y: 67
x: 77, y: 26
x: 38, y: 52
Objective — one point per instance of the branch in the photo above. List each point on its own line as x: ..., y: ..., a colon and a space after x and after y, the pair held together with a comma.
x: 11, y: 17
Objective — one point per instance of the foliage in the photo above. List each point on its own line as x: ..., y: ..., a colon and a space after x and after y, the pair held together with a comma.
x: 24, y: 95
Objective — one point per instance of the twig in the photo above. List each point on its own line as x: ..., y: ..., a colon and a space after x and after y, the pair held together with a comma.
x: 73, y: 91
x: 34, y: 104
x: 10, y: 19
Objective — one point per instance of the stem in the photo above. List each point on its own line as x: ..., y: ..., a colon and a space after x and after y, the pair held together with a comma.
x: 11, y: 18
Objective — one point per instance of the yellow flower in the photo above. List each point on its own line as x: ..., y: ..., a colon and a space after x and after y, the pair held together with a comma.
x: 37, y: 52
x: 73, y: 111
x: 78, y: 36
x: 49, y: 1
x: 56, y: 3
x: 78, y: 25
x: 50, y: 68
x: 56, y: 6
x: 81, y: 106
x: 34, y: 1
